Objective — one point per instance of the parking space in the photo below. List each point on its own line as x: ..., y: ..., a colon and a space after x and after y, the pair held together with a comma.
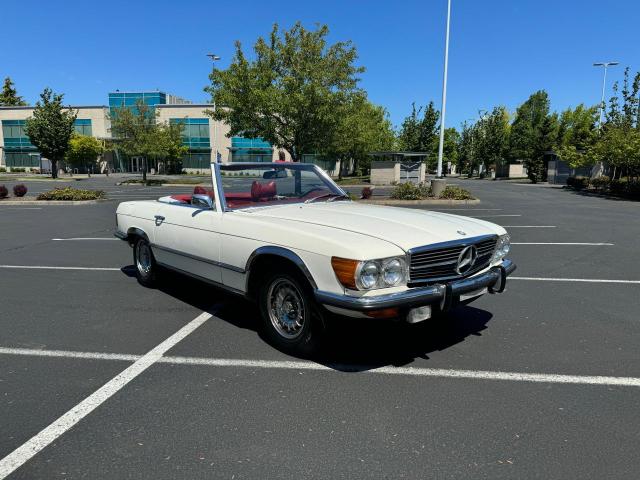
x: 542, y: 381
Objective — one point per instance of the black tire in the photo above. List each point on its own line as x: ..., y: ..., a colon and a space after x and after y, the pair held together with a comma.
x: 144, y: 263
x: 301, y: 328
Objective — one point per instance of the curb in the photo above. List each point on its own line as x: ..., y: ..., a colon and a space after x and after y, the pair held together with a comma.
x: 421, y: 202
x: 50, y: 202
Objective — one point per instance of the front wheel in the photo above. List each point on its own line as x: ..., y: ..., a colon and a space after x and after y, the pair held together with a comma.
x: 145, y: 263
x: 291, y: 319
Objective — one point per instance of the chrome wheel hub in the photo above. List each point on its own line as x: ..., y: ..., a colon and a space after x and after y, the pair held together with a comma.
x: 143, y: 256
x: 286, y: 308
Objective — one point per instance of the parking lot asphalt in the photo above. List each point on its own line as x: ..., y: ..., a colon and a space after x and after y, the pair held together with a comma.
x: 542, y: 381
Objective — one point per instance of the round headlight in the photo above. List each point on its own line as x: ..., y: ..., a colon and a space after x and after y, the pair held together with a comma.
x: 392, y: 272
x: 369, y: 274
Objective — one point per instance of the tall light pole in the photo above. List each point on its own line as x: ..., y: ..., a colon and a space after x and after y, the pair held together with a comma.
x: 444, y: 92
x: 604, y: 65
x: 214, y: 58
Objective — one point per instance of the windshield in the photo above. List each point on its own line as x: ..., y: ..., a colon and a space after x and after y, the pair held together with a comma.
x: 259, y: 185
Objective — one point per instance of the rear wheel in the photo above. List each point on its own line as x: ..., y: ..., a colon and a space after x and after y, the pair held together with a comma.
x: 290, y: 317
x: 145, y: 263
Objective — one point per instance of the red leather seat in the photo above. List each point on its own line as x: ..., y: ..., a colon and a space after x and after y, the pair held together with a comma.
x: 263, y: 191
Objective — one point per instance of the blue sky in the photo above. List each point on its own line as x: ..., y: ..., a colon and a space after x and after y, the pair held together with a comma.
x: 500, y: 52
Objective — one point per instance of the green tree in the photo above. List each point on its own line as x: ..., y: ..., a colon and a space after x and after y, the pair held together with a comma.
x: 450, y: 147
x: 83, y: 151
x: 292, y: 94
x: 137, y: 133
x: 51, y: 127
x: 419, y: 132
x: 492, y: 138
x: 577, y: 134
x: 534, y: 134
x: 9, y: 96
x: 363, y: 128
x: 466, y: 149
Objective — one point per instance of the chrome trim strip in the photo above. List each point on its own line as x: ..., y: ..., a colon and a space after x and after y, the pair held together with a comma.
x: 463, y: 242
x: 280, y: 252
x: 414, y: 296
x: 200, y: 259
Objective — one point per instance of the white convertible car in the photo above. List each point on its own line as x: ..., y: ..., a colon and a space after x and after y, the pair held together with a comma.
x: 286, y: 236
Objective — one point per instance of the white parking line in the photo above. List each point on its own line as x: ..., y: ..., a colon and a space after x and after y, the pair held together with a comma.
x: 581, y: 280
x: 34, y: 445
x: 497, y: 215
x: 44, y: 267
x: 466, y: 209
x: 365, y: 369
x: 83, y: 238
x: 561, y: 243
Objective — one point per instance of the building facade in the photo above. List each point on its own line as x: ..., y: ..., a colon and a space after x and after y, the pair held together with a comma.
x: 206, y: 139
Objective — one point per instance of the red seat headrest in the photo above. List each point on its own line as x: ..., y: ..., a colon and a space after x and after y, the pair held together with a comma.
x: 263, y: 190
x: 203, y: 191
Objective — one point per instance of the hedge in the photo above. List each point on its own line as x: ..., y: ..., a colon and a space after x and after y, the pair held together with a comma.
x: 71, y: 194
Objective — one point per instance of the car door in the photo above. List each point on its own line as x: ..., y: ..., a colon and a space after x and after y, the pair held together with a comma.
x: 187, y: 238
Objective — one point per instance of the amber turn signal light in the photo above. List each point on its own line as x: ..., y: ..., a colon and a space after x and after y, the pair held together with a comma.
x: 345, y: 270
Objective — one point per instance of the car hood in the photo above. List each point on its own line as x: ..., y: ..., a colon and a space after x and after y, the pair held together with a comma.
x: 404, y: 227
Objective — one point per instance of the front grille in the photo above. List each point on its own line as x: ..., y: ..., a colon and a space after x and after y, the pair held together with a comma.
x: 439, y: 261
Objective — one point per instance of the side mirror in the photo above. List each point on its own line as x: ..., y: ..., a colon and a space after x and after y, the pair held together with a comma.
x: 202, y: 201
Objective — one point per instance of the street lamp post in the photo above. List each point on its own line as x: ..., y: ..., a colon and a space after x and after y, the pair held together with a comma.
x: 444, y: 92
x: 214, y: 58
x: 604, y: 65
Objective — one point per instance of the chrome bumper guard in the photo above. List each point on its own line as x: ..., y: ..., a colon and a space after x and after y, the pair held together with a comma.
x: 494, y: 280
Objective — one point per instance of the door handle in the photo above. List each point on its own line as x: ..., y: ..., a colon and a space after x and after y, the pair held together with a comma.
x: 159, y: 220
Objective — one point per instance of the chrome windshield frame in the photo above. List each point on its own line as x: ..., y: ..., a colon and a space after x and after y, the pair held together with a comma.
x: 218, y: 168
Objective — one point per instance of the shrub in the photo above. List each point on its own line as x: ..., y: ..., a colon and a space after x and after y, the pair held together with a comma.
x: 617, y: 186
x: 3, y: 170
x: 3, y: 191
x: 18, y: 169
x: 456, y: 193
x: 35, y: 170
x: 19, y: 190
x: 578, y: 183
x: 600, y: 183
x: 367, y: 192
x: 411, y: 191
x: 69, y: 193
x: 633, y: 189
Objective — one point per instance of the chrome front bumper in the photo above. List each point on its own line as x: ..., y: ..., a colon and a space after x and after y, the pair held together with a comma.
x: 440, y: 293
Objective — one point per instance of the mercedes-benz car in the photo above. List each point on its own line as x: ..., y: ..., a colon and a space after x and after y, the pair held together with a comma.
x: 287, y: 237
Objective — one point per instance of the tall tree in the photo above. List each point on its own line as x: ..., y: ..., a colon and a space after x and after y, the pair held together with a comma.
x: 450, y: 147
x: 577, y: 134
x: 293, y: 94
x: 533, y: 134
x: 51, y: 127
x: 137, y: 133
x: 492, y: 137
x: 467, y: 160
x: 419, y: 131
x: 363, y: 128
x: 9, y: 96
